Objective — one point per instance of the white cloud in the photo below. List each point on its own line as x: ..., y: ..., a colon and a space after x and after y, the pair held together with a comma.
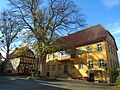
x: 117, y: 32
x: 111, y: 3
x: 114, y: 28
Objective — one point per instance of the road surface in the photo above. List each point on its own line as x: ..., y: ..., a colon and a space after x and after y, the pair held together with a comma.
x: 16, y: 83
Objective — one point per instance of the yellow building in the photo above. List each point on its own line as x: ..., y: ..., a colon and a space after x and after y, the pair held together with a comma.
x: 21, y: 62
x: 94, y: 58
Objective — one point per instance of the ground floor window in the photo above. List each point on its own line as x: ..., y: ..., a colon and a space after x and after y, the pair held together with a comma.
x: 48, y: 67
x: 59, y: 67
x: 101, y: 63
x: 80, y: 65
x: 90, y: 64
x: 72, y: 66
x: 53, y: 67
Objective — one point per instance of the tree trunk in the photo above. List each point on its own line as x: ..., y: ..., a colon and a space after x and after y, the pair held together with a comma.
x: 6, y: 59
x: 43, y: 65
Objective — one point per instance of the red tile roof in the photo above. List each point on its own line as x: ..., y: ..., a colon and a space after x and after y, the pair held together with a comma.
x: 87, y: 36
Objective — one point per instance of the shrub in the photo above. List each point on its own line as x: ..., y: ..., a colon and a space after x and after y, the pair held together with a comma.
x: 118, y: 80
x: 36, y: 73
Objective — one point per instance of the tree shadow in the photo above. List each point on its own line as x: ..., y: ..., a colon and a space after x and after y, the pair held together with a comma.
x: 14, y: 83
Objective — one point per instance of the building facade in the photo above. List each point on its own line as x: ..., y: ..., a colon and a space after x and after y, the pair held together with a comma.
x: 94, y: 58
x: 21, y: 62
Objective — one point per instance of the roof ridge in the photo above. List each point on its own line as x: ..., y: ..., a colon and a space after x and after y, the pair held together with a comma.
x: 87, y: 29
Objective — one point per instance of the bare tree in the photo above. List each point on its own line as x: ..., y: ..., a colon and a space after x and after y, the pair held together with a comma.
x: 48, y: 19
x: 10, y: 26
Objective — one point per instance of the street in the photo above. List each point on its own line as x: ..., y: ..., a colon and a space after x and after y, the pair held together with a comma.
x: 16, y: 83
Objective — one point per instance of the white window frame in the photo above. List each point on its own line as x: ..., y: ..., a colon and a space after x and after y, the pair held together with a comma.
x: 89, y: 49
x: 101, y: 63
x: 99, y: 47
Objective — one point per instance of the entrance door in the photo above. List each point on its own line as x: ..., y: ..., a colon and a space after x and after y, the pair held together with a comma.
x: 65, y: 68
x: 91, y: 77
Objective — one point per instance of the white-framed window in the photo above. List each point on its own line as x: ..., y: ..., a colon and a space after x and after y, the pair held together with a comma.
x: 90, y: 64
x: 101, y: 63
x: 80, y: 65
x: 80, y: 51
x: 89, y: 49
x: 99, y: 46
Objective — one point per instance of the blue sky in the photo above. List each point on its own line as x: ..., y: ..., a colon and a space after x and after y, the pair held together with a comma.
x: 105, y: 12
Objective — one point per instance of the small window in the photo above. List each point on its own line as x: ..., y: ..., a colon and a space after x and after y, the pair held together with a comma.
x: 53, y: 55
x: 111, y: 50
x: 53, y: 67
x: 89, y: 49
x: 99, y: 46
x: 81, y: 65
x: 101, y: 63
x: 116, y: 53
x: 111, y: 63
x: 72, y: 66
x: 80, y: 50
x: 108, y: 48
x: 48, y: 67
x: 63, y: 53
x: 90, y: 64
x: 59, y: 67
x: 48, y: 56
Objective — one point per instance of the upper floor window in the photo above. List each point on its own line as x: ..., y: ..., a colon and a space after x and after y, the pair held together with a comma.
x: 108, y: 48
x: 63, y: 52
x: 53, y: 67
x: 48, y: 67
x: 81, y: 65
x: 114, y: 51
x: 53, y: 55
x: 72, y: 66
x: 111, y: 63
x: 99, y: 46
x: 111, y: 50
x: 80, y: 50
x: 101, y: 63
x: 89, y: 49
x: 48, y: 56
x: 90, y: 64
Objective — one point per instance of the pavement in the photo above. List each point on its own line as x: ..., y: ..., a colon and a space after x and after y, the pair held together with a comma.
x: 17, y: 83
